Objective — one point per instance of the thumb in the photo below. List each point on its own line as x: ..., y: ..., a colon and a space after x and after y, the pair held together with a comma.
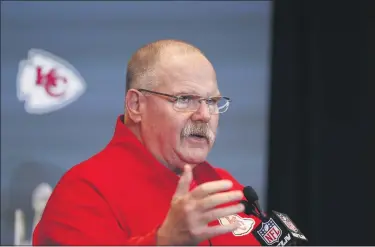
x: 184, y: 182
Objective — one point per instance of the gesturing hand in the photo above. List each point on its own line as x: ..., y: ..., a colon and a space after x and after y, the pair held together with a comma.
x: 190, y: 212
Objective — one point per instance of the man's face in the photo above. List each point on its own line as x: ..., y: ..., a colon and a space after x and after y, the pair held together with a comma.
x: 181, y: 137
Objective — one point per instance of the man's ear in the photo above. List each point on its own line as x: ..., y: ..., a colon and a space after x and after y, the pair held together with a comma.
x: 133, y: 103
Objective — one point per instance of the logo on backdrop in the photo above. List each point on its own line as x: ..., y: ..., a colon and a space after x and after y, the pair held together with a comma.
x: 47, y: 83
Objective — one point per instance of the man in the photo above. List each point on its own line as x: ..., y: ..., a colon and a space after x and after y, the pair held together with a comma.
x: 151, y: 184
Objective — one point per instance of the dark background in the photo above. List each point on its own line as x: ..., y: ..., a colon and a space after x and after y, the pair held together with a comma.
x: 321, y: 146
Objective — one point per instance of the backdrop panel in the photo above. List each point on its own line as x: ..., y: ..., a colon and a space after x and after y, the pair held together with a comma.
x: 98, y: 39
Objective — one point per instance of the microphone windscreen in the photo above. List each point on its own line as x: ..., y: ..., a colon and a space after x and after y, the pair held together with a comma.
x: 250, y: 194
x: 248, y: 208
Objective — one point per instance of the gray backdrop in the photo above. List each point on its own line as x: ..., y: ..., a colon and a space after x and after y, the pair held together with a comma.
x: 98, y: 39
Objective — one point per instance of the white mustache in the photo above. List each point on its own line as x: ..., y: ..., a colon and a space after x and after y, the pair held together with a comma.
x: 199, y: 129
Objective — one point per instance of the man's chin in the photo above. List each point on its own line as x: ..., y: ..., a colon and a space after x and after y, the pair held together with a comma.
x: 194, y: 157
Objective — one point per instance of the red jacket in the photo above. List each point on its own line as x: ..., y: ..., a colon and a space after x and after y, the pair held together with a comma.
x: 120, y: 196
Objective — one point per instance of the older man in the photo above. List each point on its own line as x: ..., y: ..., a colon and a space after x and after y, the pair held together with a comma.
x: 151, y: 184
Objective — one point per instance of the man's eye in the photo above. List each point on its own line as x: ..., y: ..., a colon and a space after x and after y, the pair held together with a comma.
x: 185, y: 98
x: 211, y: 101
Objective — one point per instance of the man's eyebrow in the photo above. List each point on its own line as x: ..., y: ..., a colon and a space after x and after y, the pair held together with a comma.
x: 193, y: 92
x: 185, y: 92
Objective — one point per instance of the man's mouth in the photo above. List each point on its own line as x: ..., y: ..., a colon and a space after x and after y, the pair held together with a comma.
x: 198, y: 137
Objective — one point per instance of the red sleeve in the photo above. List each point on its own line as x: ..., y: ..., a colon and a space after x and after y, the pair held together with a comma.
x: 76, y: 214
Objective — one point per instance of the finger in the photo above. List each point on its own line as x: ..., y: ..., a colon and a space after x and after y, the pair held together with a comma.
x: 217, y: 213
x: 214, y: 231
x: 208, y: 188
x: 218, y: 199
x: 184, y: 182
x: 207, y: 232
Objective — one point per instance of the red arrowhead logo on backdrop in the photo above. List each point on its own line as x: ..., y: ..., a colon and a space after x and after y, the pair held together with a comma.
x: 47, y: 83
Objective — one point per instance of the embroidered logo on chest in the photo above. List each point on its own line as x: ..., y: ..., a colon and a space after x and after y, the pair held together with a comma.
x: 246, y: 224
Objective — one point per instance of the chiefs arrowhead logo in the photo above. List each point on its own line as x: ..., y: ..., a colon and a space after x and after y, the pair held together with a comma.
x: 246, y: 224
x: 47, y: 83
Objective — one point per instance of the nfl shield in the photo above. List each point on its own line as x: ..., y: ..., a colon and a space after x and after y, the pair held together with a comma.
x: 270, y: 232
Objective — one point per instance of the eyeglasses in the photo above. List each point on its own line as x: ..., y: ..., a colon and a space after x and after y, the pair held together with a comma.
x: 190, y: 102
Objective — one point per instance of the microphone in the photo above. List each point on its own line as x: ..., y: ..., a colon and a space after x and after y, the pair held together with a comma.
x: 253, y: 199
x: 276, y: 228
x: 248, y: 209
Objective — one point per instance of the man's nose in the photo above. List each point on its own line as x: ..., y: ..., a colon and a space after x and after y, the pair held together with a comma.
x: 203, y: 113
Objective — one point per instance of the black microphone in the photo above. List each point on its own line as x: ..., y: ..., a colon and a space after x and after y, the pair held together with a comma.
x: 248, y: 208
x: 276, y: 228
x: 253, y: 199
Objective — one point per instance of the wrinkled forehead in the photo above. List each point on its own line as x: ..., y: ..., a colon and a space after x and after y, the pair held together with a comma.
x: 188, y: 73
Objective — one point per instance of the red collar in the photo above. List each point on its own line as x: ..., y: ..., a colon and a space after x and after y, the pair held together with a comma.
x: 126, y: 139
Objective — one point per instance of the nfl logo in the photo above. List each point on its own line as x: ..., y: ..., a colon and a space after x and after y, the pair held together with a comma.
x: 270, y: 232
x: 285, y: 219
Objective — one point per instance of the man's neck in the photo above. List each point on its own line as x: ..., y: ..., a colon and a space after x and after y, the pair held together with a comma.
x: 134, y: 129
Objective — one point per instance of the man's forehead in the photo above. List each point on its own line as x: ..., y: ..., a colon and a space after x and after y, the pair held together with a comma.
x: 189, y: 73
x: 198, y: 87
x: 189, y: 87
x: 192, y: 88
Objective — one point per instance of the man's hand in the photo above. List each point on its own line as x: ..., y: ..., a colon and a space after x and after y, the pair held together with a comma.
x: 190, y: 212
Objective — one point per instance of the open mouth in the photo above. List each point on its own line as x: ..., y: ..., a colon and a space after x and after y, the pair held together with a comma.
x: 198, y: 136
